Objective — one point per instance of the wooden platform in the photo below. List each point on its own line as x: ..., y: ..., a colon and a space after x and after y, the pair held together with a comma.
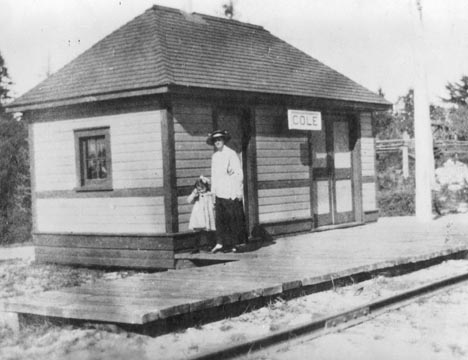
x: 290, y: 264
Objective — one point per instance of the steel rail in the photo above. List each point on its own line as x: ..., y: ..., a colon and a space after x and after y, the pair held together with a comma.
x: 330, y: 324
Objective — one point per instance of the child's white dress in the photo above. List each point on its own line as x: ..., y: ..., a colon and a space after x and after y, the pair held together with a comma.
x: 202, y: 217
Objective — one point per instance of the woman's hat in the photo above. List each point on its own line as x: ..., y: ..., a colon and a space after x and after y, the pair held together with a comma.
x: 216, y: 135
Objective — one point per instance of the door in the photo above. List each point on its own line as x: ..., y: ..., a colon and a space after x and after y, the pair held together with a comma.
x: 332, y: 185
x: 237, y: 122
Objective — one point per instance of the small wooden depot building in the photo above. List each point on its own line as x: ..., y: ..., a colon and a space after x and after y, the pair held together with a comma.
x: 117, y: 139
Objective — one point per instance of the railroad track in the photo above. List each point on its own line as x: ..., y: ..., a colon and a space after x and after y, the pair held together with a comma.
x: 330, y: 324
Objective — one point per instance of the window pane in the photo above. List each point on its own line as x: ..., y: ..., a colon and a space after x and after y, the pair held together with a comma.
x: 91, y: 148
x: 91, y: 172
x: 102, y: 169
x: 101, y: 145
x: 95, y: 164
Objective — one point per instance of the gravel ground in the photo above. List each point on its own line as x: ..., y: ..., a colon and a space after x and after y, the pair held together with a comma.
x: 434, y: 328
x: 19, y: 277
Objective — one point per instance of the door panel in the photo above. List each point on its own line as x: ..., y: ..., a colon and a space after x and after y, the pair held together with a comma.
x: 344, y: 200
x: 323, y: 197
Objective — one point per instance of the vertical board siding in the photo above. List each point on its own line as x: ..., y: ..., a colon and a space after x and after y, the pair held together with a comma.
x: 192, y: 123
x: 369, y: 200
x: 135, y: 147
x: 136, y: 163
x: 281, y: 155
x: 140, y: 215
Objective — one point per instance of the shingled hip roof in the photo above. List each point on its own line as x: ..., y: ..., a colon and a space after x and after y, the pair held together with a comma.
x: 165, y: 46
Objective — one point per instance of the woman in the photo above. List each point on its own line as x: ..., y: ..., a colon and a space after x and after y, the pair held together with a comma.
x: 227, y: 186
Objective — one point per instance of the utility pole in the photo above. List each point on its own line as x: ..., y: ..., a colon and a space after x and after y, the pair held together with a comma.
x: 422, y: 126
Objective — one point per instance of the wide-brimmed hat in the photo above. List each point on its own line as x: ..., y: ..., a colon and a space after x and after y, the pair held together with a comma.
x: 216, y: 135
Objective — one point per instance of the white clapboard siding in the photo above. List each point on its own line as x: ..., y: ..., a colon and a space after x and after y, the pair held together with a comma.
x: 366, y: 124
x: 281, y: 156
x: 136, y: 215
x: 185, y: 209
x: 367, y: 145
x: 192, y: 122
x: 369, y: 199
x: 368, y: 157
x: 283, y: 215
x: 135, y: 148
x: 283, y: 204
x: 369, y: 202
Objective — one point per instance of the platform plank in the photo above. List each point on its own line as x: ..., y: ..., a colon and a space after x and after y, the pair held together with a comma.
x: 287, y: 264
x: 106, y: 261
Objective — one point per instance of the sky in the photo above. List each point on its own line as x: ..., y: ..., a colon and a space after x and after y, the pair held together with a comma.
x: 372, y: 42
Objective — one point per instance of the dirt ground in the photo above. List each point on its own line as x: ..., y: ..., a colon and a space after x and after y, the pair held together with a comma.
x: 433, y: 329
x: 18, y: 277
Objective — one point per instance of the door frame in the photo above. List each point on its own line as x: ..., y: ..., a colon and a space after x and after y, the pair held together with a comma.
x: 329, y: 173
x: 246, y: 116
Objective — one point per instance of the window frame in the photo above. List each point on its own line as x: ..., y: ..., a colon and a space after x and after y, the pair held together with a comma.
x: 84, y: 184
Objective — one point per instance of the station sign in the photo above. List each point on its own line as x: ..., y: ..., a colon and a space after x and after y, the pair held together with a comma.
x: 304, y: 120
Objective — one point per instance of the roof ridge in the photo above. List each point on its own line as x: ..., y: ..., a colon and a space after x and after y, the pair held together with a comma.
x: 231, y: 21
x: 211, y: 17
x: 165, y: 46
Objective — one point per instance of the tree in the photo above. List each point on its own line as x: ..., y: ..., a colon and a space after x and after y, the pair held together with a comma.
x: 459, y: 122
x: 458, y: 113
x: 404, y: 117
x: 458, y: 92
x: 14, y: 172
x: 392, y: 125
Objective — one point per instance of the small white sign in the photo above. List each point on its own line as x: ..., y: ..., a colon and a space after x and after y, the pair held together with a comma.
x: 304, y: 120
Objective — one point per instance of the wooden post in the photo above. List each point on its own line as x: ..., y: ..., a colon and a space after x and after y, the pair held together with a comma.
x: 169, y: 171
x: 404, y: 154
x: 422, y: 127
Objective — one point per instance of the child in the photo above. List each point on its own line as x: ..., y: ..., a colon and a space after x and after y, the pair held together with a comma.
x: 202, y: 216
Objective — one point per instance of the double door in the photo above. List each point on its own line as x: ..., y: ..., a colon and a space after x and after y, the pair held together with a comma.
x: 332, y: 169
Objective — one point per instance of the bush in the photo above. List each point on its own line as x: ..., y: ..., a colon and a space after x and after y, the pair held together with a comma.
x: 396, y: 203
x: 396, y: 195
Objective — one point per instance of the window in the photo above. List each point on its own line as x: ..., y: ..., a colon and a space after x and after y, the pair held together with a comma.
x: 93, y: 159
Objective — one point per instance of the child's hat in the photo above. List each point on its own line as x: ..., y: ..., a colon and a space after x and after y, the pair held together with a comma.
x: 223, y: 134
x: 204, y: 179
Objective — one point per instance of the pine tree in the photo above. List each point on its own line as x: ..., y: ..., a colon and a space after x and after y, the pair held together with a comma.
x: 14, y: 171
x: 458, y: 92
x: 458, y: 97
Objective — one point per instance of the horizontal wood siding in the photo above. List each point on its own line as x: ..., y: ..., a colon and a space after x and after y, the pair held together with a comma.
x: 369, y: 194
x: 135, y: 147
x: 192, y: 123
x: 139, y: 215
x: 136, y: 164
x: 367, y: 146
x: 282, y: 155
x: 369, y: 197
x: 283, y: 204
